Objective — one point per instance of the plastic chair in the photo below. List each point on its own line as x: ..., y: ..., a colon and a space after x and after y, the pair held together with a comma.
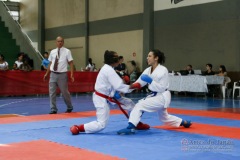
x: 235, y: 86
x: 225, y: 86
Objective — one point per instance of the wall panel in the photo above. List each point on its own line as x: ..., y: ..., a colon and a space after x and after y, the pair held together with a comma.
x: 105, y: 9
x: 124, y: 43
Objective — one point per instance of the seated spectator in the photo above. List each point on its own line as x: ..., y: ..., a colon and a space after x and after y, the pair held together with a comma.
x: 3, y: 63
x: 209, y: 70
x: 15, y: 67
x: 90, y: 66
x: 121, y: 68
x: 25, y: 56
x: 222, y: 71
x: 19, y: 60
x: 212, y: 90
x: 189, y: 69
x: 133, y: 72
x: 45, y: 62
x: 25, y: 66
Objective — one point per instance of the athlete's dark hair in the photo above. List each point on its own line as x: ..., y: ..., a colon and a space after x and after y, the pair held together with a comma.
x: 110, y: 57
x: 159, y: 54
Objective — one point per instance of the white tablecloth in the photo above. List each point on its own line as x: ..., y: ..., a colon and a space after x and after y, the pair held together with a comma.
x: 192, y: 83
x: 214, y: 79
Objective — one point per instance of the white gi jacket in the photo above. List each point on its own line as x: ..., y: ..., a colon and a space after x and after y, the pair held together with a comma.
x: 160, y: 82
x: 107, y: 83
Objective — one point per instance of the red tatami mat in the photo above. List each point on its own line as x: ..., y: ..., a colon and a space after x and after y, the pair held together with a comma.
x: 207, y: 129
x: 212, y: 114
x: 9, y: 115
x: 46, y: 150
x: 51, y: 117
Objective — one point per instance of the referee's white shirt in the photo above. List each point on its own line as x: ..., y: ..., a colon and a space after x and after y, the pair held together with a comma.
x: 65, y: 57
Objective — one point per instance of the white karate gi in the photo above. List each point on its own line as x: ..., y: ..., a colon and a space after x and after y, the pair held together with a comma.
x: 155, y: 103
x: 107, y: 83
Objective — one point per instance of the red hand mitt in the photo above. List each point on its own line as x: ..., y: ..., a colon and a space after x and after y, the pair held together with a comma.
x: 135, y: 86
x: 126, y: 79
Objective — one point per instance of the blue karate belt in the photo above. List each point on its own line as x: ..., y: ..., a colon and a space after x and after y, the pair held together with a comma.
x: 153, y: 93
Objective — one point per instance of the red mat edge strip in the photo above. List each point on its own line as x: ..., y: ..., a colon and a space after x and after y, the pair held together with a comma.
x: 34, y: 118
x: 207, y: 129
x: 212, y: 114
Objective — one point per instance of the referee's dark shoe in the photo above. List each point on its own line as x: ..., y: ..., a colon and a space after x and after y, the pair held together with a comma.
x: 53, y: 112
x: 68, y: 111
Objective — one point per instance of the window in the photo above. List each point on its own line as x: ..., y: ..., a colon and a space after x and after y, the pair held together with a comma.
x: 13, y: 6
x: 15, y: 15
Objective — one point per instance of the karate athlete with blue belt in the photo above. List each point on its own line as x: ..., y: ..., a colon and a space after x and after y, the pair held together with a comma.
x: 156, y: 76
x: 107, y: 87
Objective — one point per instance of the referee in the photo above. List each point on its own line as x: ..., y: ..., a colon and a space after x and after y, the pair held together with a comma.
x: 59, y: 59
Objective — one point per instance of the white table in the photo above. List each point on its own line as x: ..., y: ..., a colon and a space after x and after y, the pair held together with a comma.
x: 193, y: 83
x: 215, y: 79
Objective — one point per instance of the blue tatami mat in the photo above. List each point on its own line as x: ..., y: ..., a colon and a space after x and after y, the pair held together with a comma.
x: 151, y: 144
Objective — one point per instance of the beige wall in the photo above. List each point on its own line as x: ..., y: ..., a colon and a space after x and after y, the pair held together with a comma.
x: 60, y: 13
x: 212, y: 38
x: 29, y: 14
x: 124, y: 43
x: 104, y: 9
x: 64, y: 12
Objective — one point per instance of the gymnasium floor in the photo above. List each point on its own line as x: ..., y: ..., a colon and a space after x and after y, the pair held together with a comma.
x: 28, y: 132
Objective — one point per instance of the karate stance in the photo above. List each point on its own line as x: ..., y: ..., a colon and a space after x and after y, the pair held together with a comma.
x: 156, y: 76
x: 108, y: 84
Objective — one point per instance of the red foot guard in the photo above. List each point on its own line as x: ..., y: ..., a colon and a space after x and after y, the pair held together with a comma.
x: 142, y: 126
x: 74, y: 129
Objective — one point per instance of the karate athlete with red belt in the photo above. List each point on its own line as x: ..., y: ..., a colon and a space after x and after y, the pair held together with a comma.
x: 156, y: 76
x: 108, y: 84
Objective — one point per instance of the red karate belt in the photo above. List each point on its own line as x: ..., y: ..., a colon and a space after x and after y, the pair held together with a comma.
x: 114, y: 100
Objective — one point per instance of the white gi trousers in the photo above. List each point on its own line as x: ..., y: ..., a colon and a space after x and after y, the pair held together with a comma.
x: 155, y: 103
x: 103, y: 112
